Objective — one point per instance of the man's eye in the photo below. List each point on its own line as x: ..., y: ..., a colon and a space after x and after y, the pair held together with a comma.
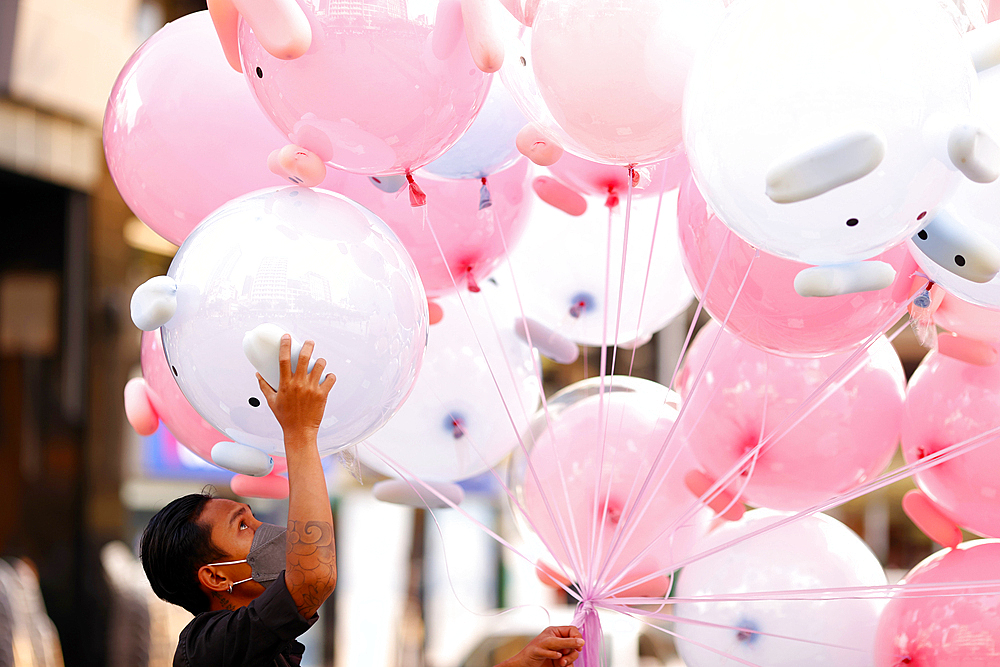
x: 243, y: 525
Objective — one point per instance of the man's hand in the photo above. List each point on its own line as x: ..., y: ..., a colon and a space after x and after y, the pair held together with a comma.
x: 300, y: 400
x: 557, y: 646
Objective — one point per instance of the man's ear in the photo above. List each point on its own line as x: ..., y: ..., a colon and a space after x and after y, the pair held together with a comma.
x: 212, y: 578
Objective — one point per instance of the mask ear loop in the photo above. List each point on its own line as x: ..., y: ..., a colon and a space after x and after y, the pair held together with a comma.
x: 233, y: 562
x: 238, y: 583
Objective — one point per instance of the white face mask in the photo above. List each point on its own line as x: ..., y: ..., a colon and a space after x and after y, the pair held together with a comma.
x: 266, y: 557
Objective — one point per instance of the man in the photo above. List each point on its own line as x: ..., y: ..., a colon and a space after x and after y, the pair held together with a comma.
x: 254, y: 587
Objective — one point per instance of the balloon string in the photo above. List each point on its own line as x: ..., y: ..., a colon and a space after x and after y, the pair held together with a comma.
x: 832, y: 383
x: 417, y: 196
x: 620, y: 542
x: 560, y: 521
x: 614, y: 360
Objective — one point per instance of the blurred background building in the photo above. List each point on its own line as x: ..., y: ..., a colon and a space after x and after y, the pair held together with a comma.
x: 75, y: 478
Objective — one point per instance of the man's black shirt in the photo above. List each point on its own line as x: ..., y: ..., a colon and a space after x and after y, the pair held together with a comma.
x: 262, y: 634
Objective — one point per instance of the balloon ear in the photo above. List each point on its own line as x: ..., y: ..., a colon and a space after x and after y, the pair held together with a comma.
x: 953, y: 246
x: 549, y: 343
x: 974, y: 152
x: 839, y: 279
x: 484, y: 42
x: 154, y: 303
x: 554, y: 193
x: 968, y: 350
x: 825, y: 166
x: 725, y: 503
x: 984, y: 45
x: 537, y: 146
x: 138, y: 410
x: 281, y: 26
x: 226, y: 20
x: 260, y: 345
x: 299, y: 165
x: 931, y: 520
x: 242, y: 459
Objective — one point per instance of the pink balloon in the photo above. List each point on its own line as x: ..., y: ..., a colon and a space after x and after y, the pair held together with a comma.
x: 182, y: 134
x: 747, y: 394
x: 949, y: 402
x: 612, y: 74
x: 472, y: 239
x: 157, y: 396
x: 585, y: 456
x: 594, y: 178
x: 380, y: 90
x: 769, y: 313
x: 952, y: 627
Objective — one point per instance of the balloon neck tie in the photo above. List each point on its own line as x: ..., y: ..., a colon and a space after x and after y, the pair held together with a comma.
x: 417, y: 196
x: 457, y: 427
x: 612, y: 199
x: 470, y: 281
x: 589, y: 622
x: 633, y: 175
x: 484, y: 195
x: 922, y: 318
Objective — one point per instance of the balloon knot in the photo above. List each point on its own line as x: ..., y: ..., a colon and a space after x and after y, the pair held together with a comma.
x: 612, y: 199
x: 417, y: 196
x: 470, y: 281
x: 485, y: 201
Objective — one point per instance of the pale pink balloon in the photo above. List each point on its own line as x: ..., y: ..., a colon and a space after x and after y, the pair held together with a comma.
x: 955, y: 626
x: 165, y: 402
x: 591, y: 456
x: 612, y: 74
x: 182, y: 133
x: 769, y: 313
x: 385, y: 87
x: 472, y: 239
x: 746, y: 394
x: 593, y: 178
x: 966, y: 319
x: 947, y: 403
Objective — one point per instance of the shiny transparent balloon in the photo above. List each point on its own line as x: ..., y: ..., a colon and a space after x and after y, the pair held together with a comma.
x: 385, y: 87
x: 782, y: 78
x: 809, y: 554
x: 579, y: 485
x: 564, y: 260
x: 476, y: 390
x: 318, y: 266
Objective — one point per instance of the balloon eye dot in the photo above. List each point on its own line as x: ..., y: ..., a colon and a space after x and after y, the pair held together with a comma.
x: 959, y: 260
x: 260, y: 73
x: 523, y: 61
x: 922, y: 215
x: 254, y: 402
x: 922, y: 235
x: 852, y: 222
x: 174, y: 369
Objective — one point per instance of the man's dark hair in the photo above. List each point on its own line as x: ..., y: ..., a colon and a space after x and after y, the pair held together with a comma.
x: 173, y: 546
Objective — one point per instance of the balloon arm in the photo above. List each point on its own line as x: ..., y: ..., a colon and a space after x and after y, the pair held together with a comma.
x: 930, y: 519
x: 564, y: 198
x: 953, y: 246
x: 297, y: 164
x: 725, y: 503
x: 272, y: 486
x: 826, y: 166
x: 538, y: 147
x: 840, y: 279
x: 484, y: 42
x: 242, y: 459
x: 154, y: 303
x: 138, y: 409
x: 974, y: 152
x: 226, y: 18
x: 549, y: 343
x: 984, y: 46
x: 281, y: 26
x: 968, y: 350
x: 260, y: 346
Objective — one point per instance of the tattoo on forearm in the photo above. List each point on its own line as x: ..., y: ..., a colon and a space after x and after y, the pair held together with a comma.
x: 312, y: 563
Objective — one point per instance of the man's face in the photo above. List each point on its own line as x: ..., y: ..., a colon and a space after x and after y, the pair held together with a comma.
x: 232, y: 526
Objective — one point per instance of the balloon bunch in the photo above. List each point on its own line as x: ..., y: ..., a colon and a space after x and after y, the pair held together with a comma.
x: 812, y: 173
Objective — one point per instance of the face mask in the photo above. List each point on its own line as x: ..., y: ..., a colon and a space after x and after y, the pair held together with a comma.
x: 266, y: 557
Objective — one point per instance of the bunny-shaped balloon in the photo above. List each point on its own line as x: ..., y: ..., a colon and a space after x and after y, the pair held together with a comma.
x: 306, y: 262
x: 830, y: 132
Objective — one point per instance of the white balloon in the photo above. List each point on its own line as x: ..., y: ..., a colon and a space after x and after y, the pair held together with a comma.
x: 318, y: 266
x: 808, y: 554
x: 784, y: 79
x: 561, y: 262
x: 456, y: 424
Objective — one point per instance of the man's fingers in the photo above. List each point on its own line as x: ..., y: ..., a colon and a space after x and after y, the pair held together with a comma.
x: 571, y: 658
x: 267, y: 390
x: 304, y: 354
x: 328, y: 382
x: 317, y: 370
x: 562, y: 643
x: 565, y: 630
x: 548, y: 655
x: 285, y: 357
